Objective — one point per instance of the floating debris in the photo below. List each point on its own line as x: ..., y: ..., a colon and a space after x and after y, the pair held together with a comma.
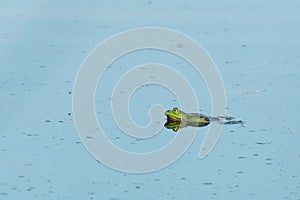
x: 229, y: 61
x: 29, y: 134
x: 269, y: 163
x: 207, y: 183
x: 253, y: 91
x: 30, y: 189
x: 263, y: 143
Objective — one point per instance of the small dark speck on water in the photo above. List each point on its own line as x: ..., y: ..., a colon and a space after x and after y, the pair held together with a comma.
x: 47, y: 120
x: 262, y: 143
x: 30, y: 189
x: 60, y: 121
x: 137, y: 187
x: 183, y: 178
x: 70, y: 92
x: 28, y: 134
x: 4, y: 193
x: 269, y: 163
x: 207, y: 183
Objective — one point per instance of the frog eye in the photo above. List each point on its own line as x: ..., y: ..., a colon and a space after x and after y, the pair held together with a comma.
x: 175, y: 110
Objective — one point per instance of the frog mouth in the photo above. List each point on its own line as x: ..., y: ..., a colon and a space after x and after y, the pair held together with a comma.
x: 174, y: 119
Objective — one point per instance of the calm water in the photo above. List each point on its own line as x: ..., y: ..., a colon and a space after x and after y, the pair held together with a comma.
x: 256, y: 47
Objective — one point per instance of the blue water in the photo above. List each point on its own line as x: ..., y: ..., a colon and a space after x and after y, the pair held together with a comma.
x: 256, y: 46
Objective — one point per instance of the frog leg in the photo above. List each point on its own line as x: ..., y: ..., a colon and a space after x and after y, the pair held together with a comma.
x: 222, y: 120
x: 226, y: 117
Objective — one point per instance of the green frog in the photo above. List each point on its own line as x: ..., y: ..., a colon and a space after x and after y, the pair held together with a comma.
x: 177, y: 119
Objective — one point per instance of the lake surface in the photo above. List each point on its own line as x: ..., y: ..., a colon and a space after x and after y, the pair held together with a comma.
x: 256, y: 47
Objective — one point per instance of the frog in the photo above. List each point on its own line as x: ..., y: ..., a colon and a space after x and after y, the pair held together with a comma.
x: 177, y: 119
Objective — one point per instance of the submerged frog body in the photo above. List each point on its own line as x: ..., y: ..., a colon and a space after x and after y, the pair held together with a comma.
x: 177, y: 119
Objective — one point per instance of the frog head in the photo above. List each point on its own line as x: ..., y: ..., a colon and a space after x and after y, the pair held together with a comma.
x: 173, y: 115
